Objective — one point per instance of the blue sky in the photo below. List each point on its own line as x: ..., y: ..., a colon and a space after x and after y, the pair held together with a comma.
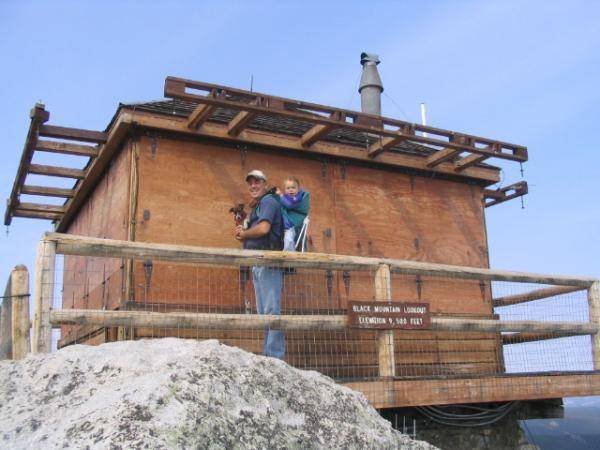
x: 524, y: 72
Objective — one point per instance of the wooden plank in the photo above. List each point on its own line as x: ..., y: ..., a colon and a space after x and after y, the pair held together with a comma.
x: 469, y: 161
x: 534, y: 295
x: 289, y: 322
x: 70, y: 244
x: 20, y: 312
x: 521, y: 338
x: 67, y: 148
x: 54, y: 171
x: 38, y: 207
x: 239, y: 122
x: 385, y: 338
x: 406, y: 393
x: 314, y: 134
x: 47, y: 191
x: 383, y: 145
x: 594, y: 308
x: 448, y: 153
x: 38, y: 116
x: 75, y: 134
x: 43, y: 299
x: 200, y: 115
x: 36, y: 214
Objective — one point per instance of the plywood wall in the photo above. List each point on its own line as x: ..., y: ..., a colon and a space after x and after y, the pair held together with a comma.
x: 98, y: 283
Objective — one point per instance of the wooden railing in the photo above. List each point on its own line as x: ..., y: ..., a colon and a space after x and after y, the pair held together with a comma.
x: 14, y: 316
x: 54, y: 243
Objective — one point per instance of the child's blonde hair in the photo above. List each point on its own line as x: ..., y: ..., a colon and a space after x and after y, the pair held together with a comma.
x: 292, y: 178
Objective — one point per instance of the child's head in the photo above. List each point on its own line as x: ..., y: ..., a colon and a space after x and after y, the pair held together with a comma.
x: 291, y: 186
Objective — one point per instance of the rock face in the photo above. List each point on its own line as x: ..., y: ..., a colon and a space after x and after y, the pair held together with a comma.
x: 174, y: 393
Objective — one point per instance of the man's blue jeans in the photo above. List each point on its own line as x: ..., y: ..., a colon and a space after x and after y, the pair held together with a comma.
x: 267, y: 287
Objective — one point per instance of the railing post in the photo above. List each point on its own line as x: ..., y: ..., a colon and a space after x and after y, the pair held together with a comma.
x: 594, y: 306
x: 385, y: 338
x: 43, y: 296
x: 6, y: 322
x: 20, y: 312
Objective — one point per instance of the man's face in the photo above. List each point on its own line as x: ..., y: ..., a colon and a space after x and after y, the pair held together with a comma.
x: 257, y: 187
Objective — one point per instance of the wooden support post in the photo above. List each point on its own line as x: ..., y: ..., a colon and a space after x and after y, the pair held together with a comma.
x: 43, y: 296
x: 20, y: 312
x: 385, y: 338
x: 594, y: 305
x: 6, y: 323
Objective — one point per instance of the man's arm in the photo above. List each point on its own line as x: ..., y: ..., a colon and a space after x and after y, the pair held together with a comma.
x: 260, y: 229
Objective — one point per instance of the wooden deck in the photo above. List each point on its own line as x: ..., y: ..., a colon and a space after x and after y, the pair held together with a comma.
x: 400, y: 393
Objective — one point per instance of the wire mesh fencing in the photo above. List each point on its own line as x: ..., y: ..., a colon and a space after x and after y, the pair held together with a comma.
x: 297, y: 308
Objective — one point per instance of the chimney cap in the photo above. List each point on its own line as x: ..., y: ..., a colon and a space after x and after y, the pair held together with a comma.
x: 369, y: 57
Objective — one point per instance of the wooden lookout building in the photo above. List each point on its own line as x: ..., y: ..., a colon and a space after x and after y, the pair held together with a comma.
x: 397, y: 215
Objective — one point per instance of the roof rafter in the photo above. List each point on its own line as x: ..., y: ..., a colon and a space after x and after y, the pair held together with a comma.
x: 493, y: 197
x: 329, y: 118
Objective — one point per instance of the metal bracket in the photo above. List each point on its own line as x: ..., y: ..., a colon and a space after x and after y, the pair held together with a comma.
x: 419, y: 284
x: 346, y: 278
x: 153, y: 145
x: 324, y: 164
x: 343, y: 164
x: 243, y: 153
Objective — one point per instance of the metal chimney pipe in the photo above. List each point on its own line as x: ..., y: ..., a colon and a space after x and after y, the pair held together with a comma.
x: 370, y: 88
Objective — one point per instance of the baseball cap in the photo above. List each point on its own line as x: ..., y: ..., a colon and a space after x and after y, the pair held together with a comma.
x: 258, y: 174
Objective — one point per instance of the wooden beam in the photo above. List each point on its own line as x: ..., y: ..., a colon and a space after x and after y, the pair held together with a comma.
x: 38, y: 116
x: 521, y: 338
x: 74, y: 134
x: 36, y: 214
x: 117, y: 318
x: 54, y: 171
x: 37, y: 207
x: 385, y: 338
x: 448, y: 153
x: 20, y: 312
x: 43, y: 296
x: 383, y: 145
x: 67, y: 148
x: 47, y: 191
x: 395, y: 159
x: 534, y: 295
x: 70, y: 244
x: 594, y: 308
x: 200, y: 115
x: 469, y: 161
x: 239, y: 122
x: 476, y: 158
x: 500, y: 388
x: 443, y: 155
x: 504, y: 194
x: 314, y: 134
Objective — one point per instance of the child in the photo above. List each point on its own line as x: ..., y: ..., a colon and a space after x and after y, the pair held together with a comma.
x: 295, y: 204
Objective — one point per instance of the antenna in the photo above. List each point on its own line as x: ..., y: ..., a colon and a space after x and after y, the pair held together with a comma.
x: 251, y: 81
x: 424, y: 116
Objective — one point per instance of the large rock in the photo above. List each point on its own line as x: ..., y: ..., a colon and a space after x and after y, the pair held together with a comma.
x: 174, y: 393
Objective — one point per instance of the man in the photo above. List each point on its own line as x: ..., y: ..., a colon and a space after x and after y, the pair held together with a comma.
x: 265, y: 232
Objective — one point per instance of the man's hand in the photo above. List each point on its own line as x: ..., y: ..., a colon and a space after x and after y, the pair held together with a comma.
x: 258, y: 230
x: 239, y: 233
